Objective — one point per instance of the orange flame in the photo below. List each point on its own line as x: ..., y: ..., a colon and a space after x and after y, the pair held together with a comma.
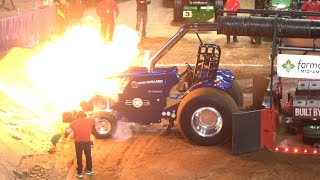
x: 74, y: 68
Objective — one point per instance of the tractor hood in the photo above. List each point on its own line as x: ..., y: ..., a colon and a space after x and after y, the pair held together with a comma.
x: 143, y: 71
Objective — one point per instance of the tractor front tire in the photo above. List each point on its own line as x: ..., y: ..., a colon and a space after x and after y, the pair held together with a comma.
x: 105, y: 125
x: 204, y: 116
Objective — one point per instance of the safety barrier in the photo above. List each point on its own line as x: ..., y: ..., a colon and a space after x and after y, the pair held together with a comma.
x: 27, y: 29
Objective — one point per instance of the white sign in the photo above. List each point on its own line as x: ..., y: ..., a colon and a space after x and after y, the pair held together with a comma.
x: 298, y: 66
x: 187, y: 14
x: 306, y: 112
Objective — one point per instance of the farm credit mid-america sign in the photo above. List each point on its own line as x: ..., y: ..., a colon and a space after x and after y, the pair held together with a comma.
x: 298, y: 66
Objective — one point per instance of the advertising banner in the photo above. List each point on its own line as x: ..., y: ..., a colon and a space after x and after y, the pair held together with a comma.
x: 298, y: 66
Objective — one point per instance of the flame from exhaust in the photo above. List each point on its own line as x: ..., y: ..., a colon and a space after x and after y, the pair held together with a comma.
x: 73, y: 68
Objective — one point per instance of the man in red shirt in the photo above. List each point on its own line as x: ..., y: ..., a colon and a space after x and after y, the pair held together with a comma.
x: 313, y: 6
x: 82, y: 129
x: 232, y: 5
x: 105, y: 10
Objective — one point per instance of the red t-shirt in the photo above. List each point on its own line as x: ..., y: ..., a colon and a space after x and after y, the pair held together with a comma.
x: 82, y: 129
x: 232, y: 5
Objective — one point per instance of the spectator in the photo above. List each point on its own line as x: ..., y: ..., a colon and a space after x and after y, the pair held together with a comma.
x: 105, y: 10
x: 82, y: 129
x: 232, y: 5
x: 142, y: 15
x: 313, y: 6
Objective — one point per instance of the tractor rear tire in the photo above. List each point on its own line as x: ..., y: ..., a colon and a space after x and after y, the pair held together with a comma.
x: 105, y: 126
x: 177, y: 10
x: 195, y: 127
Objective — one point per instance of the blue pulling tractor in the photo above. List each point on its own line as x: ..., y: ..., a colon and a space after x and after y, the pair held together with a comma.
x: 206, y: 96
x: 208, y: 100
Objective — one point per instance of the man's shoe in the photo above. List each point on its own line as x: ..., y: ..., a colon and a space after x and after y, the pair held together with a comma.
x: 79, y: 175
x: 90, y: 172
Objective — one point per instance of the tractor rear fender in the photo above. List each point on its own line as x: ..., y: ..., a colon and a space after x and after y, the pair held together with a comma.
x: 231, y: 86
x: 222, y: 85
x: 223, y: 81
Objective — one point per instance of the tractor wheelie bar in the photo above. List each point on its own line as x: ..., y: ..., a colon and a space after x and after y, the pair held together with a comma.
x: 208, y: 100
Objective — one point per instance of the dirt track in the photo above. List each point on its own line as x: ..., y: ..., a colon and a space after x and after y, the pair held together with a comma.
x: 155, y: 156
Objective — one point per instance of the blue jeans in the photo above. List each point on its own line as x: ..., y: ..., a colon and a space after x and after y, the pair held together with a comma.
x: 142, y: 16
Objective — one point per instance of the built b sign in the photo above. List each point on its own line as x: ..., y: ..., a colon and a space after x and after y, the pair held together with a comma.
x: 306, y: 112
x: 298, y: 66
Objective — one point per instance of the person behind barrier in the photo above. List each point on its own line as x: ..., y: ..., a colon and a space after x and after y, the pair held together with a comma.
x: 82, y: 129
x: 312, y: 6
x: 232, y: 5
x: 105, y: 10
